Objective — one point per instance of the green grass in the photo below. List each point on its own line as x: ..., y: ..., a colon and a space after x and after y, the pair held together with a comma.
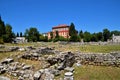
x: 96, y: 73
x: 99, y: 48
x: 70, y: 47
x: 7, y: 54
x: 89, y: 48
x: 20, y: 44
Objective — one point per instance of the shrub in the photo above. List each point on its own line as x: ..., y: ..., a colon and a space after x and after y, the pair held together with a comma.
x: 61, y: 38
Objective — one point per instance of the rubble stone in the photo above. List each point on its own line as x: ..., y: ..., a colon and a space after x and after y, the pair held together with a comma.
x: 4, y: 78
x: 69, y: 69
x: 6, y: 61
x: 26, y: 67
x: 37, y: 75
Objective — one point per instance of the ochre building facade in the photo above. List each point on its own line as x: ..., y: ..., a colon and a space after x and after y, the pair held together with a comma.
x: 63, y: 30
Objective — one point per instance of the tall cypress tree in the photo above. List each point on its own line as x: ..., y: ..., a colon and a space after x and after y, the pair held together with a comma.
x: 2, y: 27
x: 51, y: 35
x: 17, y: 34
x: 72, y: 30
x: 73, y: 33
x: 21, y: 34
x: 57, y: 34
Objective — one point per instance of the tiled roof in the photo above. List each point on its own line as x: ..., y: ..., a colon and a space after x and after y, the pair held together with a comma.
x: 60, y: 26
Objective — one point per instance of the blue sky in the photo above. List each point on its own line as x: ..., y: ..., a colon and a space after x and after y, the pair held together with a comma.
x: 87, y: 15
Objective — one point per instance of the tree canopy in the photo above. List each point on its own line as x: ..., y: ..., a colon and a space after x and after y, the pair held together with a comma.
x: 6, y: 33
x: 72, y: 30
x: 21, y: 34
x: 87, y: 36
x: 32, y: 34
x: 73, y: 33
x: 51, y: 35
x: 106, y: 34
x: 8, y: 37
x: 2, y: 27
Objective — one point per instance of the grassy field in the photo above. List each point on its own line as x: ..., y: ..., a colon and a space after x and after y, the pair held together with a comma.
x: 97, y: 48
x: 96, y: 73
x: 88, y: 48
x: 74, y: 48
x: 9, y: 54
x: 83, y: 72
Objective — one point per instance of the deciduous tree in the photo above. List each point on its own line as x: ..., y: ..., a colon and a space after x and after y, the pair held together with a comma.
x: 8, y: 37
x: 87, y: 36
x: 100, y: 36
x: 81, y: 34
x: 106, y: 34
x: 32, y: 34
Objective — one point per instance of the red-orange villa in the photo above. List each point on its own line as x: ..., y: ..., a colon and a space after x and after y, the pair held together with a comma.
x: 63, y: 30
